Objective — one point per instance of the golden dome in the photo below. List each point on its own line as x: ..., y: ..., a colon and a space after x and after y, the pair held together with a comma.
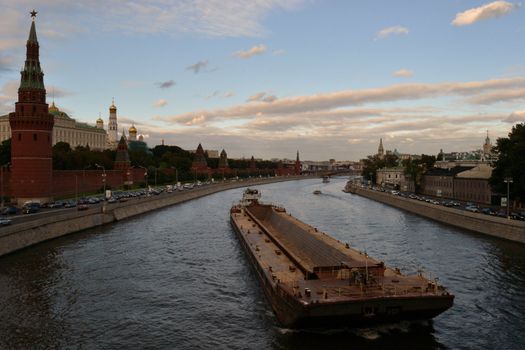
x: 100, y: 121
x: 53, y: 108
x: 132, y: 129
x: 113, y: 107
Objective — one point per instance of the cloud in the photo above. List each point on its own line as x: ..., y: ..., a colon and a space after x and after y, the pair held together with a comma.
x: 6, y: 63
x: 403, y: 73
x: 487, y: 11
x: 395, y: 30
x: 229, y: 94
x: 499, y: 96
x: 213, y: 94
x: 61, y: 19
x: 255, y: 50
x: 165, y: 84
x: 160, y: 103
x: 279, y: 52
x: 197, y: 67
x: 515, y: 117
x: 351, y: 98
x: 262, y: 97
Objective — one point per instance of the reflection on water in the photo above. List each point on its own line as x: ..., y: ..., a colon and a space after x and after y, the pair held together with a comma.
x: 177, y: 278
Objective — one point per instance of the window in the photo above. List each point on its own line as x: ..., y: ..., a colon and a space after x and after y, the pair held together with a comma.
x: 34, y: 137
x: 19, y: 137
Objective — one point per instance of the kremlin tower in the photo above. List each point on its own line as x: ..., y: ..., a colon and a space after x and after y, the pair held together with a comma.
x: 31, y: 127
x: 297, y: 165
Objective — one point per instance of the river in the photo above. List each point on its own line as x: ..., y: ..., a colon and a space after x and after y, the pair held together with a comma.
x: 178, y: 279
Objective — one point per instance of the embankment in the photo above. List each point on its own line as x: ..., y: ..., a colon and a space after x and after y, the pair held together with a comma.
x: 490, y: 225
x: 56, y: 224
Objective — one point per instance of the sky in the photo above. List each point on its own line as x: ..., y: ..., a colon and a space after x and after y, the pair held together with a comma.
x: 269, y: 77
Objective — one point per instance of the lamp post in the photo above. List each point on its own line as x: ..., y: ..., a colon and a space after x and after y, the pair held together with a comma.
x: 103, y: 178
x: 508, y: 181
x: 155, y: 177
x: 145, y: 178
x: 128, y: 179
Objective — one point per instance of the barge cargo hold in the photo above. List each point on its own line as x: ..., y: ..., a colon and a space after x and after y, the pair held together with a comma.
x: 314, y: 280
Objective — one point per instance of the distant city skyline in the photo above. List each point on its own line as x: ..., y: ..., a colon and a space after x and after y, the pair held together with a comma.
x: 268, y: 78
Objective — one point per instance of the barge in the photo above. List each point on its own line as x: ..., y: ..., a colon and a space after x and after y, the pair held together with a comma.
x: 314, y: 280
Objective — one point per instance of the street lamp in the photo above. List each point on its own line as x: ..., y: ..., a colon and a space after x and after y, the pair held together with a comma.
x: 103, y: 177
x: 145, y: 178
x: 508, y: 181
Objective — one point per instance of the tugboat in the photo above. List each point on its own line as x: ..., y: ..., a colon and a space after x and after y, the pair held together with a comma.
x: 317, y: 192
x: 314, y: 280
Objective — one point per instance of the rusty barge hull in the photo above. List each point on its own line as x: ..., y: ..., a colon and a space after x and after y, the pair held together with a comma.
x: 306, y: 291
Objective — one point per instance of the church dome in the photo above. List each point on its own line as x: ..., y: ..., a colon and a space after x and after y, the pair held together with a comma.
x: 53, y: 108
x: 132, y: 129
x: 100, y: 121
x: 113, y: 108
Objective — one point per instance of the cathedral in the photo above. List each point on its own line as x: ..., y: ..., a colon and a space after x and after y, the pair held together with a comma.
x: 75, y: 133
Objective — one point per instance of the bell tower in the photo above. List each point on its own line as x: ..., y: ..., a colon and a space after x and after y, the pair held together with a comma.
x: 31, y: 131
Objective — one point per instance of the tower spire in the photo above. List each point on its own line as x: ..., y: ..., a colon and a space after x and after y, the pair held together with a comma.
x: 380, y: 149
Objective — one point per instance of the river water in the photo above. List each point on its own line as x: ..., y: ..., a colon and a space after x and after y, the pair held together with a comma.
x: 178, y: 279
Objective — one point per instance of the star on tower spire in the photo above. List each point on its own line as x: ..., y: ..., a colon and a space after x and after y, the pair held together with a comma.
x: 33, y: 14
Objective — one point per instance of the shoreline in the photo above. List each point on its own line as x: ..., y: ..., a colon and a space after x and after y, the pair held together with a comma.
x: 54, y: 225
x: 476, y: 222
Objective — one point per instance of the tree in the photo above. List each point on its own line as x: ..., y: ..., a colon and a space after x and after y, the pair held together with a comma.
x: 415, y: 168
x: 5, y: 152
x: 376, y: 162
x: 510, y: 164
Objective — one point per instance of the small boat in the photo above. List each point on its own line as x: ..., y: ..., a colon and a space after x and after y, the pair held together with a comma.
x: 317, y: 192
x: 326, y: 179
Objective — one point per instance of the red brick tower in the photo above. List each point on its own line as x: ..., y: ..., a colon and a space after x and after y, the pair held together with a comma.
x: 31, y: 131
x: 297, y: 165
x: 199, y: 163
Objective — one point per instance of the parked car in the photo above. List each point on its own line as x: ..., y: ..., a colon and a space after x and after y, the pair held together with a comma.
x: 488, y: 211
x: 70, y: 204
x: 82, y: 207
x: 31, y: 209
x: 516, y: 216
x: 11, y: 210
x: 5, y: 221
x: 472, y: 209
x: 502, y: 213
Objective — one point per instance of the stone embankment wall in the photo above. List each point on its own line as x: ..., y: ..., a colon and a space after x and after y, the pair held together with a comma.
x: 49, y: 225
x: 490, y: 225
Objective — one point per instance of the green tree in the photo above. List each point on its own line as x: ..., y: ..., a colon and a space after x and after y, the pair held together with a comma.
x: 5, y: 152
x: 510, y: 164
x: 415, y: 168
x: 375, y: 162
